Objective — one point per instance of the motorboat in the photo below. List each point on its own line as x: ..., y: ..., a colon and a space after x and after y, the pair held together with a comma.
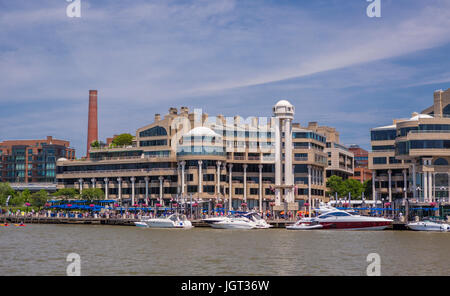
x: 343, y: 220
x: 173, y: 221
x: 215, y: 219
x: 235, y: 223
x: 299, y: 225
x: 428, y: 225
x: 259, y: 222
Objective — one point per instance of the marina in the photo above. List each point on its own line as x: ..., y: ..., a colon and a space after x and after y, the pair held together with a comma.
x: 397, y: 225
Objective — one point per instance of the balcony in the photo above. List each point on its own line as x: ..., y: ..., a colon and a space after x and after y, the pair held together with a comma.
x: 301, y: 158
x: 93, y: 172
x: 253, y: 158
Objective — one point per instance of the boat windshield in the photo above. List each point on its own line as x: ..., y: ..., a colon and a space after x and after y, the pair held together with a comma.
x: 173, y: 218
x: 253, y: 216
x: 334, y: 214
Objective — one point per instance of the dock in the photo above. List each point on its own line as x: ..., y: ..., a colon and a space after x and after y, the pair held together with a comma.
x: 65, y: 220
x: 397, y: 225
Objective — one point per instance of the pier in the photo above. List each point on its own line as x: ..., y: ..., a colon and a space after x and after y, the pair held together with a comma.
x: 106, y: 221
x: 65, y: 220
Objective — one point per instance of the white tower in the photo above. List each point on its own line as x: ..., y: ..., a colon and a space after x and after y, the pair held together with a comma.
x: 284, y: 114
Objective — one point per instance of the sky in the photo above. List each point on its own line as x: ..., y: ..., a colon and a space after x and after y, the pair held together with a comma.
x: 336, y: 65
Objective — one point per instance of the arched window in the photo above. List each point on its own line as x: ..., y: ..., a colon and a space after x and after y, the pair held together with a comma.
x: 153, y: 132
x: 440, y: 161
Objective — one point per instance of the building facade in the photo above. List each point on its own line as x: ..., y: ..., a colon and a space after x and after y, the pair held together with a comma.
x: 361, y: 159
x: 258, y: 162
x: 32, y: 161
x: 340, y: 160
x: 410, y: 158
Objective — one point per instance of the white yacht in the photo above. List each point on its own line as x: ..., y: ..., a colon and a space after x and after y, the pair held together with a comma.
x: 173, y: 221
x: 343, y: 220
x: 234, y: 223
x: 247, y: 221
x: 428, y: 225
x: 215, y: 219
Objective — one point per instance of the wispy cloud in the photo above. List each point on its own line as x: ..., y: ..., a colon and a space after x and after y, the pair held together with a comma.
x: 220, y: 54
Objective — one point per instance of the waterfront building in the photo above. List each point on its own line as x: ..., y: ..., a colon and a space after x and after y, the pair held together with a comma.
x: 254, y: 163
x: 361, y: 159
x: 410, y: 158
x: 339, y: 157
x: 32, y: 161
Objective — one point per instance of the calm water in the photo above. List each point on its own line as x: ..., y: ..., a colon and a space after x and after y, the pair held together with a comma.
x: 114, y: 250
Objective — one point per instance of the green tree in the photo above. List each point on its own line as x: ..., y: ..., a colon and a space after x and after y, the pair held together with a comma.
x: 367, y: 188
x: 92, y: 194
x: 17, y: 200
x: 26, y: 194
x: 95, y: 144
x: 5, y: 191
x: 38, y: 199
x: 354, y: 187
x: 122, y: 140
x: 334, y: 184
x: 66, y: 193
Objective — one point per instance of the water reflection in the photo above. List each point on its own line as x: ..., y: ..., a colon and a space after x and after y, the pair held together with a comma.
x: 115, y: 250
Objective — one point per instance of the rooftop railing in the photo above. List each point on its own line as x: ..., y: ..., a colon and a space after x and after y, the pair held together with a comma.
x: 115, y: 171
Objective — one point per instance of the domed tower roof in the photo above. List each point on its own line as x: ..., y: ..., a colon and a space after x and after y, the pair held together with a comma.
x: 284, y: 109
x: 283, y: 103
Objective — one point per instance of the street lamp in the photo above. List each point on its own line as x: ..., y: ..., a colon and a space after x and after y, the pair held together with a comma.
x: 419, y: 189
x: 441, y: 199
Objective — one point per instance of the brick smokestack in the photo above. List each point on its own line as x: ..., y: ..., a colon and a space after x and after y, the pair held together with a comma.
x: 92, y: 120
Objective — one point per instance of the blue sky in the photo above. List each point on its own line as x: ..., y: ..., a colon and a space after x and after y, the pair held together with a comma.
x: 335, y: 64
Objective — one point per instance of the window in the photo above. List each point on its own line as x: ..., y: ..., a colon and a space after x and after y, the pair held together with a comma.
x: 385, y: 147
x: 383, y: 135
x: 208, y: 177
x: 153, y: 132
x: 440, y: 161
x: 253, y: 191
x: 153, y: 143
x: 209, y: 188
x: 379, y: 160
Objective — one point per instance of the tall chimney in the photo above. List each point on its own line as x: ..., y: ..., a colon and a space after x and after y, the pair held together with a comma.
x: 92, y: 120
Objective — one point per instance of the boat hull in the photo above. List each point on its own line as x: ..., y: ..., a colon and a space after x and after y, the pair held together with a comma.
x: 421, y: 226
x: 221, y: 225
x: 363, y: 225
x: 304, y: 227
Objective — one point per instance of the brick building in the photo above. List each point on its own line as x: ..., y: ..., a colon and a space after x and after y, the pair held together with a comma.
x: 31, y: 161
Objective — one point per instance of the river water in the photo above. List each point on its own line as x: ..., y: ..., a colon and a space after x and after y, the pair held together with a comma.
x: 120, y: 250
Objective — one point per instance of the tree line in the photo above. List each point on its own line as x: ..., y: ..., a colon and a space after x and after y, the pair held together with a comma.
x: 12, y: 198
